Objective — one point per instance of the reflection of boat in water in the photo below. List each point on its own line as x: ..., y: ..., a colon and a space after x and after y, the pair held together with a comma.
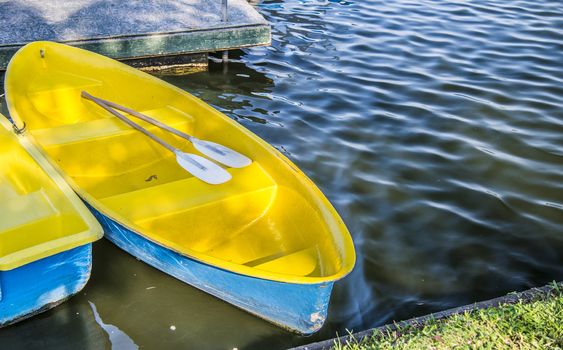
x: 241, y: 90
x: 117, y: 338
x: 268, y: 241
x: 45, y: 232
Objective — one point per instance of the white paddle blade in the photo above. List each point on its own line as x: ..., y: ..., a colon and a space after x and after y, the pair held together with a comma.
x: 220, y: 153
x: 202, y: 168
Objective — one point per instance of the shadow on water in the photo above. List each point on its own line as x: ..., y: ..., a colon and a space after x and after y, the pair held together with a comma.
x: 434, y: 128
x: 128, y: 303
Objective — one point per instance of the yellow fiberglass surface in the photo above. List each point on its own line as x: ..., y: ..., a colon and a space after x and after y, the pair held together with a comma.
x: 270, y: 221
x: 40, y: 215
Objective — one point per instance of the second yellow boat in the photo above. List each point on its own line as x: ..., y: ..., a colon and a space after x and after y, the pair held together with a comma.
x: 268, y: 241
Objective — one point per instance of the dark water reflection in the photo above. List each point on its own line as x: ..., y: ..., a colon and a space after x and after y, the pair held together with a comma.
x: 435, y: 128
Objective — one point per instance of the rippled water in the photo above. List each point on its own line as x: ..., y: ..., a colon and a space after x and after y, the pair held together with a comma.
x: 435, y: 128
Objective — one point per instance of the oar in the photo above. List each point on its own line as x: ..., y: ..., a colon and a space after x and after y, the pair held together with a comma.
x: 213, y: 150
x: 198, y: 166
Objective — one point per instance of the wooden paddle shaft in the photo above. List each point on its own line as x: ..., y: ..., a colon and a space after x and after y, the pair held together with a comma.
x: 146, y: 118
x: 128, y: 121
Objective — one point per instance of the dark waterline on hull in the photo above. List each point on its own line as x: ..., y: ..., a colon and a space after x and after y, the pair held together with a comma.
x: 436, y: 130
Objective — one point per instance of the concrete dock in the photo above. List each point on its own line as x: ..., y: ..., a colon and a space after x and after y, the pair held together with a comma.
x: 160, y: 30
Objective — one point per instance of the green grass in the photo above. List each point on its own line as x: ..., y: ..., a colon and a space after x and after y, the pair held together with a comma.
x: 537, y: 324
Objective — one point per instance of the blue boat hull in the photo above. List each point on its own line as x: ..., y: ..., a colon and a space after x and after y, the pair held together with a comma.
x: 38, y: 286
x: 301, y: 308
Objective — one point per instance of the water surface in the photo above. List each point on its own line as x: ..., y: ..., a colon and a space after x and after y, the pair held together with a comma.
x: 436, y: 130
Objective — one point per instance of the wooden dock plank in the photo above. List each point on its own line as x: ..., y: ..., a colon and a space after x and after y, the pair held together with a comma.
x: 131, y: 29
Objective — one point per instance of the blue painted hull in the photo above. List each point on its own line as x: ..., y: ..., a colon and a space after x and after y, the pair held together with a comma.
x: 300, y: 308
x: 43, y: 284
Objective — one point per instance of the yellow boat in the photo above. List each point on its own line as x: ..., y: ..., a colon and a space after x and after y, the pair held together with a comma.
x: 267, y: 241
x: 45, y: 232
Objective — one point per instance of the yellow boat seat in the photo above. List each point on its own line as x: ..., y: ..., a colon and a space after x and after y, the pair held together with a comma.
x: 304, y: 262
x: 24, y: 209
x: 109, y: 127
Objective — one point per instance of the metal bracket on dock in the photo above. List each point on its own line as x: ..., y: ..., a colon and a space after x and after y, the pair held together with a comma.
x: 225, y: 18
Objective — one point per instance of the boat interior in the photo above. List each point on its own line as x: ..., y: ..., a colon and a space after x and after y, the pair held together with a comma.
x: 264, y: 218
x: 36, y: 215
